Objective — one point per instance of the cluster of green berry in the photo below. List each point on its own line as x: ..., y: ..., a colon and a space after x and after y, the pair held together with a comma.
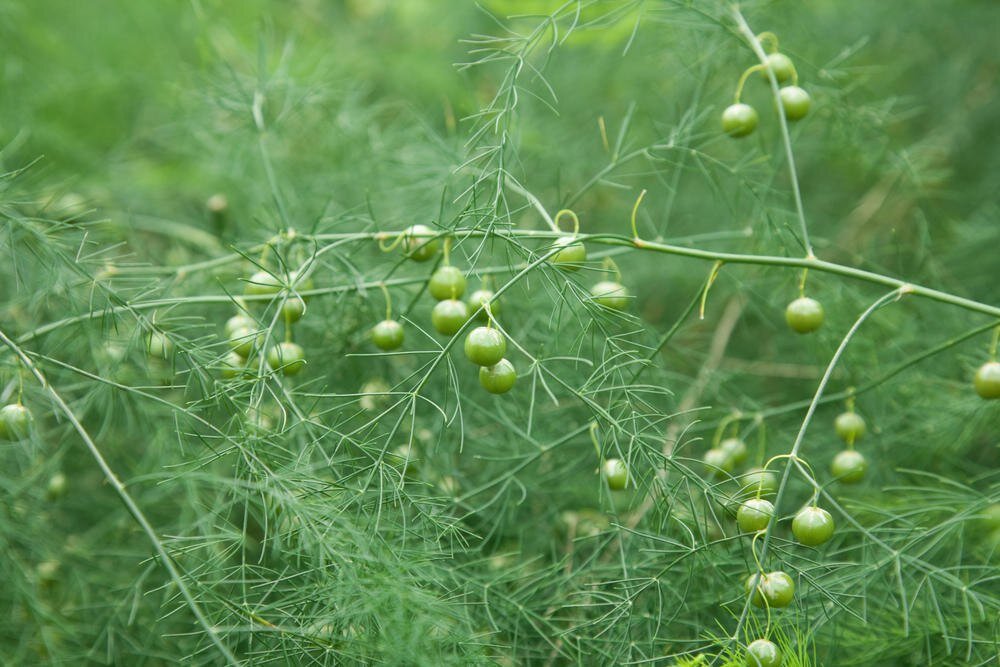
x: 246, y: 338
x: 740, y: 119
x: 811, y: 525
x: 485, y: 346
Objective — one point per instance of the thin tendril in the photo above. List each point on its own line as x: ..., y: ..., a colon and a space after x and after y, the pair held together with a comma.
x: 571, y: 214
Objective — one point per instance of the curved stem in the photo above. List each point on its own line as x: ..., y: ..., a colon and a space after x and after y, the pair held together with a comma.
x: 593, y: 439
x: 635, y: 210
x: 785, y: 136
x: 771, y: 39
x: 747, y: 73
x: 571, y: 214
x: 712, y: 275
x: 388, y: 300
x: 793, y: 455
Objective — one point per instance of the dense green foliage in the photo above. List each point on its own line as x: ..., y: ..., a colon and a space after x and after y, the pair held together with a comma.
x: 187, y: 488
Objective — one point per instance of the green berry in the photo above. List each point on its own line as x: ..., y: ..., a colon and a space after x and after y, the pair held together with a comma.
x: 763, y: 653
x: 447, y: 283
x: 813, y: 526
x: 420, y: 243
x: 759, y: 482
x: 387, y: 335
x: 158, y: 345
x: 485, y: 346
x: 477, y: 301
x: 739, y: 120
x: 804, y: 315
x: 849, y: 466
x: 288, y: 357
x: 610, y: 294
x: 781, y: 65
x: 239, y: 322
x: 56, y: 487
x: 987, y: 380
x: 263, y: 283
x: 850, y: 426
x: 293, y: 308
x: 15, y: 422
x: 717, y: 462
x: 498, y: 378
x: 615, y: 474
x: 449, y: 316
x: 233, y: 365
x: 243, y: 341
x: 775, y: 589
x: 795, y: 101
x: 571, y: 253
x: 735, y: 449
x: 754, y: 515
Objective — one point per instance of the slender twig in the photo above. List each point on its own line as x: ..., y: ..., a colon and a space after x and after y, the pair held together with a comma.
x: 783, y: 122
x: 126, y: 498
x: 716, y: 352
x: 792, y: 455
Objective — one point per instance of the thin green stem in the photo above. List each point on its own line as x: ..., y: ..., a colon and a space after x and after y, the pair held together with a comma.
x: 785, y: 135
x: 793, y: 455
x: 126, y: 498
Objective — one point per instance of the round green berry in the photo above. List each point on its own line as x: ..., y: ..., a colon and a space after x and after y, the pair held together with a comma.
x: 987, y: 380
x: 239, y: 322
x: 615, y: 474
x: 717, y: 462
x: 387, y: 335
x: 420, y: 243
x: 813, y: 526
x: 293, y: 308
x: 804, y: 315
x: 158, y: 345
x: 571, y: 253
x: 498, y: 378
x: 781, y: 65
x: 610, y: 294
x: 735, y: 449
x: 759, y: 482
x: 774, y: 589
x: 739, y: 120
x: 447, y: 282
x: 56, y: 487
x: 263, y: 283
x: 15, y: 422
x: 243, y: 341
x: 795, y: 101
x: 485, y: 346
x: 763, y: 653
x: 754, y: 515
x: 850, y: 426
x: 290, y: 358
x: 477, y: 302
x: 233, y: 365
x: 449, y: 316
x: 849, y: 466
